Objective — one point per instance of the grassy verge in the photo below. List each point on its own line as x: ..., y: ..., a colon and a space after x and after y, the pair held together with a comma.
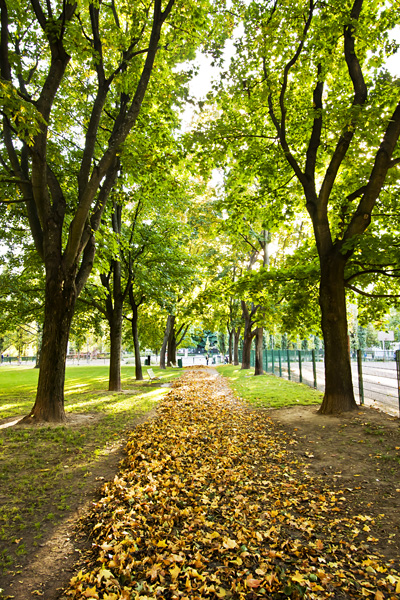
x: 44, y: 469
x: 268, y: 391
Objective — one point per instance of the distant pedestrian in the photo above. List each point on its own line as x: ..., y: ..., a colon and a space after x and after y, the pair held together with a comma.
x: 207, y: 359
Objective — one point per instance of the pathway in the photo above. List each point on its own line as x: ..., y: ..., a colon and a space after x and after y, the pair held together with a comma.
x: 212, y: 503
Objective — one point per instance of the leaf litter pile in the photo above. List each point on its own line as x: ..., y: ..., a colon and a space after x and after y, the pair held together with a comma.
x: 212, y: 503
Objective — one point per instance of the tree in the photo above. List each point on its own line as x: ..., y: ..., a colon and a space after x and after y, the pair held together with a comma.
x: 314, y: 72
x: 73, y: 84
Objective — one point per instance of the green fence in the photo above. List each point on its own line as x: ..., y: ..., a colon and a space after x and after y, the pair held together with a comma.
x: 289, y: 364
x: 375, y: 382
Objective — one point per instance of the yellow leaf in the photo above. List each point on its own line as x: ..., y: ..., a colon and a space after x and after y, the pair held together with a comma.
x: 91, y: 593
x: 379, y: 596
x: 398, y: 587
x: 174, y: 571
x: 229, y: 544
x: 298, y: 578
x: 162, y: 544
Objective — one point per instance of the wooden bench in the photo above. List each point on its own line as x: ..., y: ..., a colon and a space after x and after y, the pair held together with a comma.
x: 151, y: 375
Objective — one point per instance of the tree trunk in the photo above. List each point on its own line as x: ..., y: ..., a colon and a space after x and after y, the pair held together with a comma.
x: 230, y: 344
x: 165, y: 342
x: 259, y: 339
x: 339, y: 395
x: 248, y: 334
x: 135, y: 336
x: 115, y: 322
x: 39, y: 345
x: 236, y: 337
x: 60, y: 299
x: 171, y: 344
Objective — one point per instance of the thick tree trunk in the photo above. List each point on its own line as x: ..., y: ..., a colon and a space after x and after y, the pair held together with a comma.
x: 135, y: 336
x: 247, y: 339
x: 60, y: 299
x: 114, y: 378
x: 339, y: 395
x: 165, y: 342
x: 259, y: 339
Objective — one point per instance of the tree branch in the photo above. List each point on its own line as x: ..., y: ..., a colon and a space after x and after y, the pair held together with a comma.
x: 370, y: 295
x: 359, y: 99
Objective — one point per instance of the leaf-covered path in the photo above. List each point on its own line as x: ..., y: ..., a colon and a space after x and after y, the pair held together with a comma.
x: 212, y: 503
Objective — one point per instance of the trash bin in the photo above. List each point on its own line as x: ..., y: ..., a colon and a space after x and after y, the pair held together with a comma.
x: 180, y: 363
x: 147, y: 361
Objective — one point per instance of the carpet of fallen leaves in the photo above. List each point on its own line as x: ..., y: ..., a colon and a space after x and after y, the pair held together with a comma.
x: 211, y: 502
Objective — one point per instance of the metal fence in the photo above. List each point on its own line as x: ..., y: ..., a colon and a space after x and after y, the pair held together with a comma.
x: 376, y: 381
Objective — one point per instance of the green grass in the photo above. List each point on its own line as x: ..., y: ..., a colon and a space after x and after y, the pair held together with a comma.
x: 268, y: 391
x: 44, y: 469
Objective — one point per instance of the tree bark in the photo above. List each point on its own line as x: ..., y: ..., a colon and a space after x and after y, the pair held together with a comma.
x: 165, y: 342
x: 135, y: 336
x: 60, y: 299
x: 339, y: 395
x: 248, y: 334
x: 171, y: 344
x: 236, y: 337
x: 114, y: 308
x: 115, y: 322
x: 259, y: 339
x: 230, y: 344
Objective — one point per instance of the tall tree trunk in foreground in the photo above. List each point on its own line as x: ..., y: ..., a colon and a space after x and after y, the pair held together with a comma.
x: 259, y: 340
x: 59, y: 309
x: 339, y: 394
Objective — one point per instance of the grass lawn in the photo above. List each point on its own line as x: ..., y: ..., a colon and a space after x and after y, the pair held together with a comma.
x: 43, y: 469
x: 268, y: 391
